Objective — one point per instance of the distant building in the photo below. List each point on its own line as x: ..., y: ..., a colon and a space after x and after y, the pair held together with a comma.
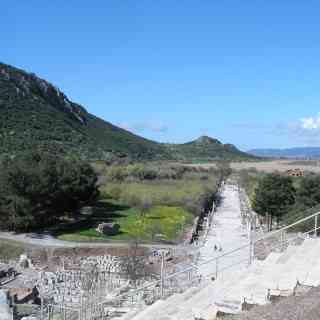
x: 295, y: 173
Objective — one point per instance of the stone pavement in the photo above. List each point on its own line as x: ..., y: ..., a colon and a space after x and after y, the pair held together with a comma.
x: 226, y: 234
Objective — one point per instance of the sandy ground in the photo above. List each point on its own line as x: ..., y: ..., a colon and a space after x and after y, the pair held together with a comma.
x: 278, y: 165
x: 271, y: 166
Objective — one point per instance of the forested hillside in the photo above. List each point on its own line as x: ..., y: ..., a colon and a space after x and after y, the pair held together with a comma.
x: 34, y: 114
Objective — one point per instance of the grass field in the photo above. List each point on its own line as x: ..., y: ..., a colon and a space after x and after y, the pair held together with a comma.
x: 146, y: 210
x: 172, y: 193
x: 158, y: 223
x: 10, y: 249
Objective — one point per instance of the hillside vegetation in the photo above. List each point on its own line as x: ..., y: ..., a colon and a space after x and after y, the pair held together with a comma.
x: 34, y: 114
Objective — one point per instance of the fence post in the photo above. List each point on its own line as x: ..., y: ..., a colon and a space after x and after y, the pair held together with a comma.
x: 251, y: 246
x: 49, y: 312
x: 162, y: 274
x: 315, y: 225
x: 217, y: 267
x: 41, y: 307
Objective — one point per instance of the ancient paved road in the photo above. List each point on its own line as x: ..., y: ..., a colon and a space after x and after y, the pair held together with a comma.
x: 226, y: 234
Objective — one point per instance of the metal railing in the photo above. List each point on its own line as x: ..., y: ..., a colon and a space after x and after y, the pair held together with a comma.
x: 189, y: 276
x: 192, y: 269
x: 283, y: 229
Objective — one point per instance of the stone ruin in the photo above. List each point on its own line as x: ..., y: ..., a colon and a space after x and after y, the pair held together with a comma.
x: 96, y: 280
x: 25, y: 262
x: 109, y: 229
x: 7, y: 273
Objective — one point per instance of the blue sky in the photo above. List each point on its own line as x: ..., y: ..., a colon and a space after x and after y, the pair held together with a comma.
x: 246, y: 72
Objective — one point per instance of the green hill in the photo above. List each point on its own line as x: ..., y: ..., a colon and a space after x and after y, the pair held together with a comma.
x: 35, y: 114
x: 206, y: 149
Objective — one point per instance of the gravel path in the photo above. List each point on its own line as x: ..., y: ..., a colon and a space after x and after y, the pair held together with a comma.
x: 47, y: 240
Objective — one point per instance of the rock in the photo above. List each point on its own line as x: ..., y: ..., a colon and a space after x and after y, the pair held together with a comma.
x: 109, y: 229
x: 25, y: 262
x: 86, y: 211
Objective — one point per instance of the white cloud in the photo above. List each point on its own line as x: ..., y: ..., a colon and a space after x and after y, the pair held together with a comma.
x: 143, y: 126
x: 302, y: 132
x: 310, y: 123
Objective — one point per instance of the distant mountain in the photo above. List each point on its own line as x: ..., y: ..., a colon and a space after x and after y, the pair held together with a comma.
x: 34, y: 114
x: 206, y: 148
x: 296, y: 153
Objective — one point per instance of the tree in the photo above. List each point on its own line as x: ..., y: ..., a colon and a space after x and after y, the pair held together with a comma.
x: 308, y: 192
x: 35, y: 189
x: 307, y: 202
x: 274, y: 195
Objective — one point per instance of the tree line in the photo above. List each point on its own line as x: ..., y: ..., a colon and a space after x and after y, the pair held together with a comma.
x: 160, y: 171
x: 280, y: 198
